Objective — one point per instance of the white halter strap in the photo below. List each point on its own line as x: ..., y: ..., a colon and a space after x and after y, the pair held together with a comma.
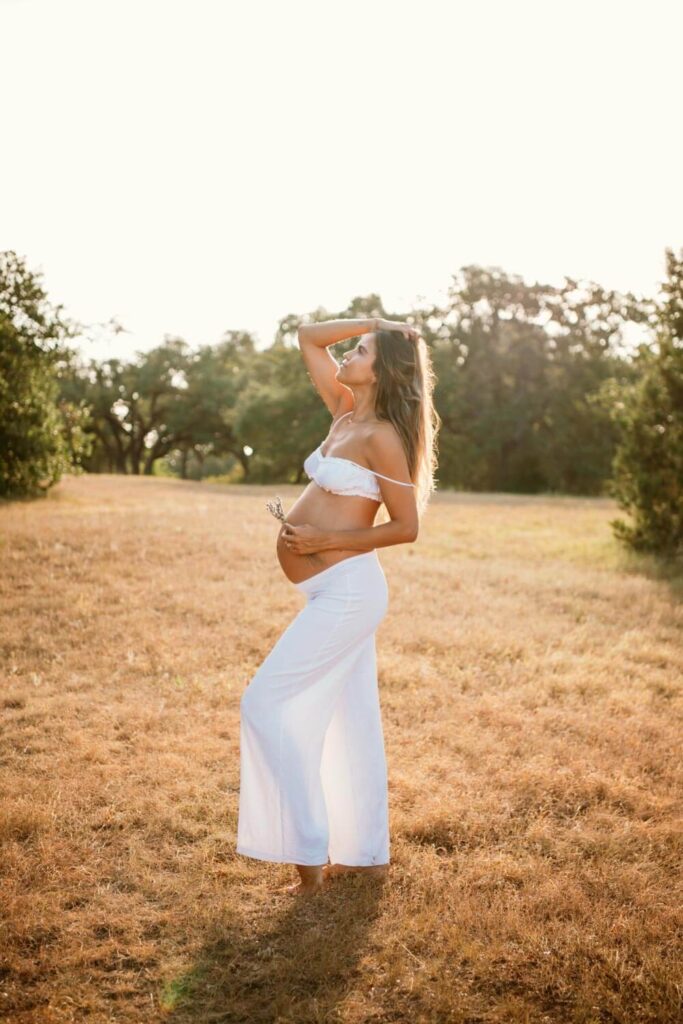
x: 392, y: 479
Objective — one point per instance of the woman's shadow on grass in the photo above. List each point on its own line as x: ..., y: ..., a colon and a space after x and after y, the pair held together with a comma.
x: 298, y: 966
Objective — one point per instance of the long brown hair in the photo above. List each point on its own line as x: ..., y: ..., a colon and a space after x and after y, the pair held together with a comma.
x: 404, y: 395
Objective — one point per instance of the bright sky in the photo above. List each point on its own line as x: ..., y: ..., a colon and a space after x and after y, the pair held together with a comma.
x: 196, y: 166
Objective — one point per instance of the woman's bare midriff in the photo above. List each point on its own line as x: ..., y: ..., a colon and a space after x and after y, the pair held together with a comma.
x: 327, y: 511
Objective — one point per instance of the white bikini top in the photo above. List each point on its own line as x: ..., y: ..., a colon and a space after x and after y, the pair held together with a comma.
x: 343, y: 476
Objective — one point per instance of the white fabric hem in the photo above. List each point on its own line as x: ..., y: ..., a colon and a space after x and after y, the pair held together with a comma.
x: 292, y: 858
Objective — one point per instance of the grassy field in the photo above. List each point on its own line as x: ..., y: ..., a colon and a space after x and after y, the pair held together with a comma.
x: 530, y: 677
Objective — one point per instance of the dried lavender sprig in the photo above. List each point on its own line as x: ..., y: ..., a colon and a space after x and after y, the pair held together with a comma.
x: 276, y: 509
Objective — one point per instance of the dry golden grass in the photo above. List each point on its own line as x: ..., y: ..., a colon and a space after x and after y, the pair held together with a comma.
x: 530, y: 680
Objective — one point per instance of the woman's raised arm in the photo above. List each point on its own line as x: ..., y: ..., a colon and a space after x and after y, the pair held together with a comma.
x: 322, y: 367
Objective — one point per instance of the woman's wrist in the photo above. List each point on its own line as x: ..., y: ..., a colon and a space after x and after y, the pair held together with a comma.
x: 330, y: 541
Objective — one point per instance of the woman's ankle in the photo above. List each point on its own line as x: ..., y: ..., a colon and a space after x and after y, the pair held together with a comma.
x: 310, y: 873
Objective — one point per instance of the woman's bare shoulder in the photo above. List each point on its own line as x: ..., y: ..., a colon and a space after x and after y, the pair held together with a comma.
x: 383, y: 432
x: 384, y: 441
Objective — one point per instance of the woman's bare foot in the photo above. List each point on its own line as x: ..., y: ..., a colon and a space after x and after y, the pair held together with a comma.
x: 331, y: 871
x: 311, y: 881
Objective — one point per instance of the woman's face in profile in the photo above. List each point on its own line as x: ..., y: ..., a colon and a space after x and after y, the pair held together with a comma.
x: 356, y: 366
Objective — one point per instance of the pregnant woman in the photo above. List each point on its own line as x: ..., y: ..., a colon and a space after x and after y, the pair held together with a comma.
x: 313, y: 780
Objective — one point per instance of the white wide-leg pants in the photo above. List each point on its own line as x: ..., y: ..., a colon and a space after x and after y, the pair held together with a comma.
x: 313, y: 778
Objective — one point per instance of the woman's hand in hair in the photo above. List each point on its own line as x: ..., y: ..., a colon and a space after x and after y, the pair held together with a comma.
x: 397, y: 325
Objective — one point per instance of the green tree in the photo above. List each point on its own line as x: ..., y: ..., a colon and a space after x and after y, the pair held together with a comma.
x: 134, y: 407
x: 167, y: 401
x: 648, y: 464
x: 205, y: 419
x: 41, y: 437
x: 516, y: 366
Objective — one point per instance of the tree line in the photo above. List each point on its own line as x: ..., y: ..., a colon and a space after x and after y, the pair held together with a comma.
x: 540, y: 389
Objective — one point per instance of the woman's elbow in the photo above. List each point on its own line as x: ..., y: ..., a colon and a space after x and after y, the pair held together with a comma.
x: 405, y: 530
x: 410, y: 532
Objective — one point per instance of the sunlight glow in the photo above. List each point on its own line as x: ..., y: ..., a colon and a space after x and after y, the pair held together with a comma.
x: 196, y: 167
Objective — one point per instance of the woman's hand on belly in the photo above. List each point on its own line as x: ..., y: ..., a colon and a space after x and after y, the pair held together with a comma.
x: 304, y: 539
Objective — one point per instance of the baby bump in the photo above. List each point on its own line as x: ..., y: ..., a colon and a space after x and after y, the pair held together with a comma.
x: 298, y: 568
x: 327, y: 512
